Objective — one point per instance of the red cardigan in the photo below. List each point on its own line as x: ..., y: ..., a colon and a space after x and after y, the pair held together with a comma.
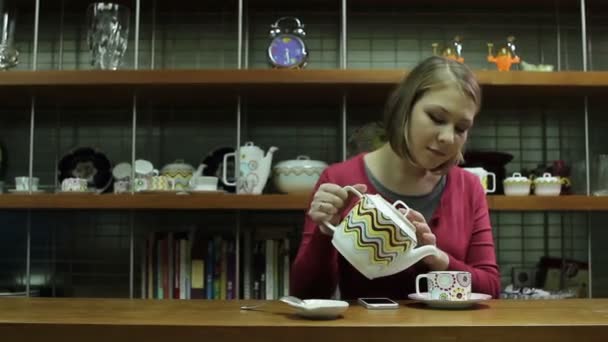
x: 461, y: 224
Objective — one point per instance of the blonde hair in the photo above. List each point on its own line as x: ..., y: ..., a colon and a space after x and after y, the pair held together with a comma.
x: 430, y: 73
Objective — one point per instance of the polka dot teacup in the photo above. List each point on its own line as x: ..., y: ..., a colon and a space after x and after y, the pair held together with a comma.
x: 446, y: 285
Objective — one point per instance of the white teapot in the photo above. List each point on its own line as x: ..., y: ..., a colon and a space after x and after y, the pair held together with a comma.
x: 376, y: 238
x: 254, y: 168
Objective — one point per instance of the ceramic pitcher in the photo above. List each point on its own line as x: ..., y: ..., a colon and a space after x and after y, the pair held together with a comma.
x: 254, y: 168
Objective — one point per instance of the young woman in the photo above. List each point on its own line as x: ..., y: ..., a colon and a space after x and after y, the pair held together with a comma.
x: 427, y: 120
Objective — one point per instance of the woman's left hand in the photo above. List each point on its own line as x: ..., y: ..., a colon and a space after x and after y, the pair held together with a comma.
x: 425, y: 236
x: 423, y: 232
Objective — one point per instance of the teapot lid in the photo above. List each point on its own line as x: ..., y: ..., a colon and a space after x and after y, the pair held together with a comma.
x: 547, y: 178
x: 249, y: 144
x: 178, y: 164
x: 516, y: 178
x: 394, y: 214
x: 301, y: 161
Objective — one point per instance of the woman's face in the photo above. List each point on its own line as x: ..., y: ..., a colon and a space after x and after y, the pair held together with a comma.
x: 439, y: 125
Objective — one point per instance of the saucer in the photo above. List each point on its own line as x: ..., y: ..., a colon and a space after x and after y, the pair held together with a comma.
x: 450, y: 304
x: 15, y: 191
x: 320, y: 308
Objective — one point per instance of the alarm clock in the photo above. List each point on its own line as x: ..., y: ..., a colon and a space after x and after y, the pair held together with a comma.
x: 287, y: 49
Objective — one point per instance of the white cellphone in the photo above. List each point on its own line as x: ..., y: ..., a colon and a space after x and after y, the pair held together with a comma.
x: 378, y: 303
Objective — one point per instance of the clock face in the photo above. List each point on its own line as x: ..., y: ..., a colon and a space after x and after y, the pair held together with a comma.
x: 287, y: 50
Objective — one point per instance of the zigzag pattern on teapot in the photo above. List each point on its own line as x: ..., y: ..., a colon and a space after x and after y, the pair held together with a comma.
x: 178, y: 173
x: 375, y: 233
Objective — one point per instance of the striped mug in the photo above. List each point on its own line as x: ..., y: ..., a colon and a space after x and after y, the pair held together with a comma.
x: 376, y: 238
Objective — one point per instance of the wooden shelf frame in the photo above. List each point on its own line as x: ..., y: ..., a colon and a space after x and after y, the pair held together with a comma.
x: 273, y: 202
x: 143, y: 79
x: 73, y: 87
x: 266, y: 77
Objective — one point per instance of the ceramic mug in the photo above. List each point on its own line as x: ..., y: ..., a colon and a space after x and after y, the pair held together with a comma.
x: 141, y: 184
x: 484, y: 176
x: 161, y: 183
x: 446, y: 285
x: 376, y: 238
x: 74, y: 185
x: 145, y: 168
x: 122, y: 186
x: 23, y: 183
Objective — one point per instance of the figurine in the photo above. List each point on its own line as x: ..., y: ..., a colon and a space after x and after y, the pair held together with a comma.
x: 506, y: 55
x: 454, y: 51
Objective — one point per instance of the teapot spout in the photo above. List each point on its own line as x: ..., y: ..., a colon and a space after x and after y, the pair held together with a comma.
x: 267, y: 161
x: 413, y: 257
x: 271, y: 150
x: 423, y: 251
x: 199, y: 171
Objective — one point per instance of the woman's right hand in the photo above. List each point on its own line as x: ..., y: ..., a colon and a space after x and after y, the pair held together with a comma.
x: 327, y: 202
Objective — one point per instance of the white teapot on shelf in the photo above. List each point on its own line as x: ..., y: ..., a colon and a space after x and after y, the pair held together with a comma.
x: 254, y: 168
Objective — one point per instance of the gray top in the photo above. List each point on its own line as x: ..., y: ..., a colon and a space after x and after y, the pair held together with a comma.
x: 425, y: 204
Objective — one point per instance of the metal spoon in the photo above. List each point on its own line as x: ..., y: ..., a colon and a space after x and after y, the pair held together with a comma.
x: 285, y: 299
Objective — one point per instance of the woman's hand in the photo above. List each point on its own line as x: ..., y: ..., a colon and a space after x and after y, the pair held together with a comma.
x: 425, y: 236
x: 327, y: 202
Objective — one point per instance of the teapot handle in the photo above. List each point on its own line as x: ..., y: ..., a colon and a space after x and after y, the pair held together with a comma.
x: 225, y: 168
x: 347, y: 188
x: 330, y: 226
x: 407, y: 208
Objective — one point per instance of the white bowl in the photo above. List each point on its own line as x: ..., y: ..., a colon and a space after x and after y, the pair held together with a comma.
x: 297, y: 175
x: 517, y: 185
x: 547, y: 185
x: 203, y: 183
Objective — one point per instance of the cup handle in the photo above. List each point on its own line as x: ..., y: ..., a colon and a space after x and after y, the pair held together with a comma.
x: 347, y: 188
x: 407, y: 208
x: 493, y: 176
x: 225, y: 169
x: 418, y: 278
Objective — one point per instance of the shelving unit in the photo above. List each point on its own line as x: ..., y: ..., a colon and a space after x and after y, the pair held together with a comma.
x: 357, y: 59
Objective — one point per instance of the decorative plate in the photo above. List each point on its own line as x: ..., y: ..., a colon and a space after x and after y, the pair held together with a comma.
x: 87, y: 163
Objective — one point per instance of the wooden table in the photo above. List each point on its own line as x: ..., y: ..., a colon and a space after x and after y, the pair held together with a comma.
x: 117, y: 320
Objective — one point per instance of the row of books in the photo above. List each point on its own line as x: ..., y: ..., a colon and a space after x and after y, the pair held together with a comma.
x: 183, y: 265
